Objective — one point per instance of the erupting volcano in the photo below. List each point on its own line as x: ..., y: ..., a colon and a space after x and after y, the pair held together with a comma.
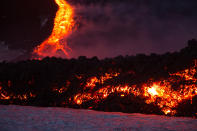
x: 63, y: 26
x: 163, y: 84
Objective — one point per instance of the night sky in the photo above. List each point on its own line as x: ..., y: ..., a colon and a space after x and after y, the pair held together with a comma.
x: 107, y: 28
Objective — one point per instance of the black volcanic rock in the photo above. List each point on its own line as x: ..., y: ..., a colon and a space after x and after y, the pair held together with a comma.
x: 26, y: 23
x: 55, y: 81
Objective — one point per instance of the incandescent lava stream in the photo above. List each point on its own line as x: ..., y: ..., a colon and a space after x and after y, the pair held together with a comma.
x: 63, y: 26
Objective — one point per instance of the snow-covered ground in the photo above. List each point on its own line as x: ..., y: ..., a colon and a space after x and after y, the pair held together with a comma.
x: 26, y: 118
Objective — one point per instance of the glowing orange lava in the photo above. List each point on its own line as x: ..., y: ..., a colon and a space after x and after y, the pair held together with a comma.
x: 63, y: 26
x: 167, y: 93
x: 153, y: 90
x: 160, y: 93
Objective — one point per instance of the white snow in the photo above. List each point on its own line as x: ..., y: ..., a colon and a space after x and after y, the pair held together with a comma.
x: 26, y: 118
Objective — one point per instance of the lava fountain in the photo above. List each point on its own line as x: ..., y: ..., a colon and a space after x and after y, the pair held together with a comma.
x: 63, y: 26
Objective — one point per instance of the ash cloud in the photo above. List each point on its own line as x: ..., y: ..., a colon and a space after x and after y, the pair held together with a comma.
x: 108, y: 29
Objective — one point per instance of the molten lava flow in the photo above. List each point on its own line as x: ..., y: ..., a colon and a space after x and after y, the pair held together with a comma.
x: 153, y: 90
x: 160, y: 93
x: 167, y: 93
x: 63, y: 26
x: 91, y: 83
x: 4, y: 95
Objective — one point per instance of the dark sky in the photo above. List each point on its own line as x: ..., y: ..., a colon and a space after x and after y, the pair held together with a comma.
x: 136, y: 26
x: 107, y: 28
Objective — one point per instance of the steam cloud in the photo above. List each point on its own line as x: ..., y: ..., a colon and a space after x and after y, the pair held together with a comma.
x: 128, y: 28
